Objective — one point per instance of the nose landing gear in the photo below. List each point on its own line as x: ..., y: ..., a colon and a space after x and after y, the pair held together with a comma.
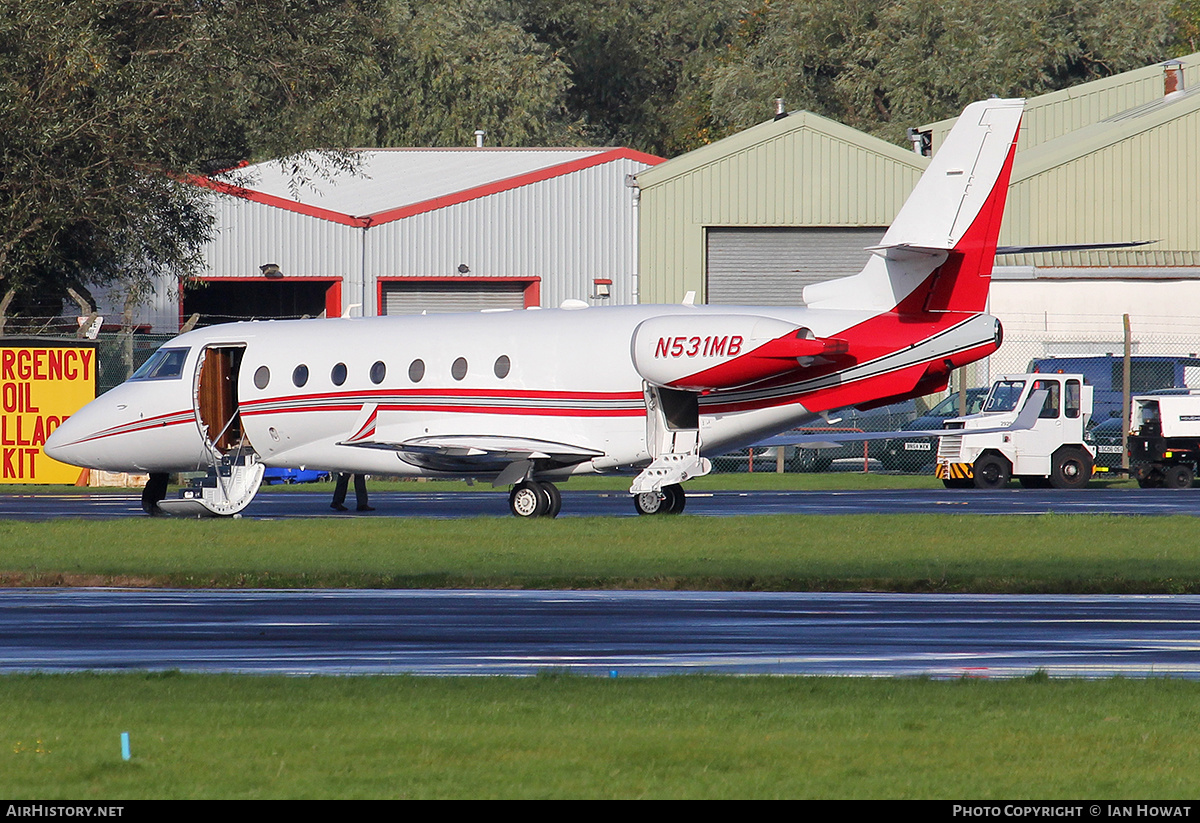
x: 667, y: 500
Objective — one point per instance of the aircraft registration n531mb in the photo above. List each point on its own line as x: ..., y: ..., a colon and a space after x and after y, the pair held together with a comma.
x: 525, y: 398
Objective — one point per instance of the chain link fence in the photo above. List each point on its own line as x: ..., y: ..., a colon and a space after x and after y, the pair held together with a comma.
x: 1165, y: 354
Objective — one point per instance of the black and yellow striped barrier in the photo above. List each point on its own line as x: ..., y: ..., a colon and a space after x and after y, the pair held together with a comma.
x: 954, y: 471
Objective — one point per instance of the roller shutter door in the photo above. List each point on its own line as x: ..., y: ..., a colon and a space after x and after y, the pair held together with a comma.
x: 771, y: 266
x: 450, y: 296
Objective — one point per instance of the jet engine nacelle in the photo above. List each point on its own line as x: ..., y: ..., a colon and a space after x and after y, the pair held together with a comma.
x: 713, y: 351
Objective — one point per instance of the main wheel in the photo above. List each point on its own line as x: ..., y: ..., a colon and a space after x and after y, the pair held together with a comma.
x: 1070, y: 468
x: 154, y: 493
x: 553, y: 497
x: 991, y: 472
x: 1179, y: 477
x: 528, y: 499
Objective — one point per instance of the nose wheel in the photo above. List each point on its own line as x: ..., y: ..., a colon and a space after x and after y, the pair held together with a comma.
x: 532, y: 498
x: 667, y: 500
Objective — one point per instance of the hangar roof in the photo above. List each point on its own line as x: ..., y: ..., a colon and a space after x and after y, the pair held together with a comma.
x: 391, y: 184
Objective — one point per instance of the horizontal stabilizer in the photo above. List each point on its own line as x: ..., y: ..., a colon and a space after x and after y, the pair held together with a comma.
x: 824, y: 438
x: 1070, y: 247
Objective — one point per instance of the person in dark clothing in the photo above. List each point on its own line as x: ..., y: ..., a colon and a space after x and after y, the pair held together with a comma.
x: 360, y: 492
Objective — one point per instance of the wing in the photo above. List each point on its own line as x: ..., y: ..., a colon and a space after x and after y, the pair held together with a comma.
x: 479, y: 452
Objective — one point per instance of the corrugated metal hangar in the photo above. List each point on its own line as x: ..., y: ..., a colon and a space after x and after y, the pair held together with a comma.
x: 757, y: 216
x: 412, y: 230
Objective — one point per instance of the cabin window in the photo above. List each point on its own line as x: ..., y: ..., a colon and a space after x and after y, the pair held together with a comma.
x: 262, y: 377
x: 378, y: 372
x: 300, y: 375
x: 338, y: 375
x: 459, y: 369
x: 503, y: 365
x: 416, y: 370
x: 164, y: 364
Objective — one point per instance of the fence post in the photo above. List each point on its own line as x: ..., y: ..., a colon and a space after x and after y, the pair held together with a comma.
x: 1126, y: 394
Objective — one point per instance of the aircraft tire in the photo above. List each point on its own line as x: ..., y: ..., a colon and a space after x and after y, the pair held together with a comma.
x: 528, y: 499
x: 154, y: 493
x: 676, y: 498
x: 991, y: 472
x: 553, y: 497
x: 668, y: 500
x: 1070, y: 468
x: 1179, y: 477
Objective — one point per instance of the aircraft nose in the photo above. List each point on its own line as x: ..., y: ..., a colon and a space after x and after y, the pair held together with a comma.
x: 67, y: 443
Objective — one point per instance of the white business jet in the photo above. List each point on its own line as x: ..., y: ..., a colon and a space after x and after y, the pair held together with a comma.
x: 525, y: 398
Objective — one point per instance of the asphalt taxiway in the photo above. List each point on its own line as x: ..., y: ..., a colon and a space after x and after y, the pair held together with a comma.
x: 278, y: 505
x: 599, y: 633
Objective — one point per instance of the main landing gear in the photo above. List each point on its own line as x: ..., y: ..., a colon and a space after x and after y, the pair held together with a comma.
x: 533, y: 498
x: 667, y: 500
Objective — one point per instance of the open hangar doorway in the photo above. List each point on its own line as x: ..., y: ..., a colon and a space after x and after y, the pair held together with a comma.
x: 227, y: 300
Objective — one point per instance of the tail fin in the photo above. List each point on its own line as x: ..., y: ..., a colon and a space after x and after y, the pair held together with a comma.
x: 938, y: 253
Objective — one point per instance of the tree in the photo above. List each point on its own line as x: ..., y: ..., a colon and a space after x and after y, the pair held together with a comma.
x: 634, y: 64
x: 446, y: 70
x: 106, y: 104
x: 884, y: 65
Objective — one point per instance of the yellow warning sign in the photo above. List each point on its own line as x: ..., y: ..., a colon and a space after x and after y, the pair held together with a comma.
x: 40, y: 387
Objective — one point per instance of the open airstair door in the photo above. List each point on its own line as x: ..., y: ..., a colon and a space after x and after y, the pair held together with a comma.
x: 234, y: 473
x: 673, y: 439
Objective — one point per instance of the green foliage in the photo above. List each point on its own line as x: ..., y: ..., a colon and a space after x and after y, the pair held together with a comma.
x: 106, y: 103
x: 885, y: 65
x: 447, y: 69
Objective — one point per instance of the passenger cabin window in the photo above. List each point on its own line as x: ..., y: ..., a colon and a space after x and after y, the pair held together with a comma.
x: 262, y: 376
x: 164, y: 364
x: 300, y: 375
x: 416, y: 370
x: 503, y: 366
x: 459, y: 369
x: 378, y: 372
x: 338, y: 375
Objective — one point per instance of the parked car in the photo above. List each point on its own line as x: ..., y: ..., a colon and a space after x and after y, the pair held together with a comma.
x: 1148, y: 374
x: 1105, y: 436
x: 275, y: 476
x: 820, y: 457
x: 916, y: 454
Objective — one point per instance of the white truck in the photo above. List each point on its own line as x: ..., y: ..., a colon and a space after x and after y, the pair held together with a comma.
x: 1164, y: 446
x: 1053, y: 453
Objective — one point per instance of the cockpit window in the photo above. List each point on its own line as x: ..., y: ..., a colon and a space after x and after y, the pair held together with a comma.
x: 164, y: 364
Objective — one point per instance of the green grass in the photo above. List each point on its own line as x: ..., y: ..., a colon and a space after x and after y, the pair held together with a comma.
x: 196, y: 736
x: 959, y: 553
